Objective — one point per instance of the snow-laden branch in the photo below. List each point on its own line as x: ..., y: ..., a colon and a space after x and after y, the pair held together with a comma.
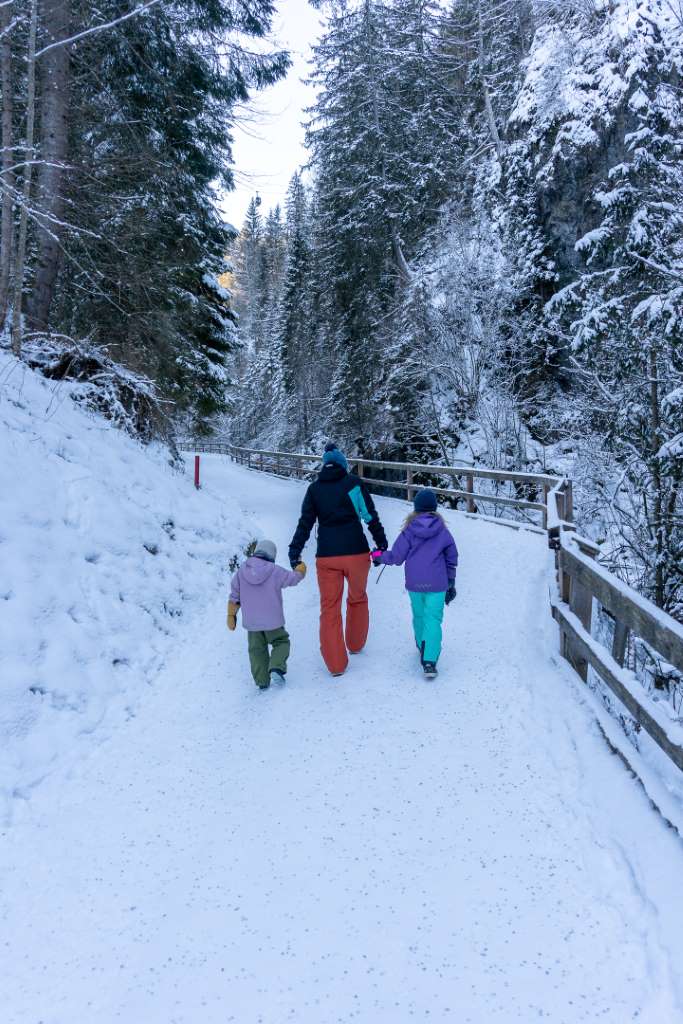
x: 96, y: 28
x: 658, y: 267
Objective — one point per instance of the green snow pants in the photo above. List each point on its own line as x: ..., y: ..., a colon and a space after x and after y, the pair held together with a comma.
x: 262, y: 661
x: 427, y: 618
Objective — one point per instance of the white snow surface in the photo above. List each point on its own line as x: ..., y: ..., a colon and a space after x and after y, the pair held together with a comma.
x: 104, y: 548
x: 375, y: 848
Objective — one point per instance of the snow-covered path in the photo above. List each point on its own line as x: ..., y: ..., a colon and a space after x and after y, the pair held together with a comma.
x: 371, y: 849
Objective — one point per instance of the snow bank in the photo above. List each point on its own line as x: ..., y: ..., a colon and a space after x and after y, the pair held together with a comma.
x: 104, y: 547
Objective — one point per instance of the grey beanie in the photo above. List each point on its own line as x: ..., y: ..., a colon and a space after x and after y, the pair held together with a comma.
x: 265, y: 549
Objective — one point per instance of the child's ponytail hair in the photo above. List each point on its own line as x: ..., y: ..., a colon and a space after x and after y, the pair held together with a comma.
x: 413, y: 515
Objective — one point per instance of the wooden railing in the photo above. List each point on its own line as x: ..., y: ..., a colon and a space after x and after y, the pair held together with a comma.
x: 582, y: 583
x: 302, y: 466
x: 583, y: 586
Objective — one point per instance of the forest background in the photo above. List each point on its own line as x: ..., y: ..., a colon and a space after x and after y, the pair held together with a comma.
x: 482, y: 262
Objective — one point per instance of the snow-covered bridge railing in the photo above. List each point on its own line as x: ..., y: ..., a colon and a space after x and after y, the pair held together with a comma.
x: 582, y: 583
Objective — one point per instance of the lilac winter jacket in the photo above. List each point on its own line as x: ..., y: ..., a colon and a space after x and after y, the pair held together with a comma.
x: 429, y: 552
x: 257, y: 586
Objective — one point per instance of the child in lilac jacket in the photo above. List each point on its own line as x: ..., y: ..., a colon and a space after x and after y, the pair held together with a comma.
x: 426, y: 547
x: 256, y: 589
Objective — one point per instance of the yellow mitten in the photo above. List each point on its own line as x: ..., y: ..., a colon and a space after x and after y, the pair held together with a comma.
x: 232, y: 614
x: 301, y: 567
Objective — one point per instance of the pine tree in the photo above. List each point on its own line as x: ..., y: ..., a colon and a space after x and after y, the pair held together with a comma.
x: 294, y: 320
x: 250, y: 275
x: 141, y: 236
x: 383, y: 150
x: 625, y: 311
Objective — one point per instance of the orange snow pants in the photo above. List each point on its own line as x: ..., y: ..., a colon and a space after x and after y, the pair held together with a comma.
x: 331, y: 575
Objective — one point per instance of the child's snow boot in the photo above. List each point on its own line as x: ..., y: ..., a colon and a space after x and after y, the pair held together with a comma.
x: 277, y: 676
x: 429, y: 669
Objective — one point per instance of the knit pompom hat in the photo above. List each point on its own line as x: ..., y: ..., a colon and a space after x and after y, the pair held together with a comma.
x: 425, y: 500
x: 265, y: 549
x: 334, y: 456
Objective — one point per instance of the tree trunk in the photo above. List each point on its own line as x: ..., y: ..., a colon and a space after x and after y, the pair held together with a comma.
x: 488, y: 106
x: 20, y: 267
x: 54, y: 75
x: 7, y: 160
x: 656, y: 442
x: 399, y: 258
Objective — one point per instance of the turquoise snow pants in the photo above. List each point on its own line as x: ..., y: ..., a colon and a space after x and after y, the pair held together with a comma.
x: 427, y: 618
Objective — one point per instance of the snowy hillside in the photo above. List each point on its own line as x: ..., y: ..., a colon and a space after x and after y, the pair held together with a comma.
x: 104, y: 547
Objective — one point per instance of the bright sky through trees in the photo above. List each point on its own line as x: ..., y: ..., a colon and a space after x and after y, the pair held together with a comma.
x: 269, y: 138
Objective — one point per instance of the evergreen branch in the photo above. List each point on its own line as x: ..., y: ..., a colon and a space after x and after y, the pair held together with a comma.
x: 96, y: 28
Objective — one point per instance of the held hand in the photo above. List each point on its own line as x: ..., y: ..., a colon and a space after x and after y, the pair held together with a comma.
x: 301, y: 568
x: 376, y: 557
x: 293, y: 562
x: 451, y: 593
x: 233, y: 607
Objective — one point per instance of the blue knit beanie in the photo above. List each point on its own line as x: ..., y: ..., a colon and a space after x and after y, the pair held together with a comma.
x: 334, y: 456
x: 425, y: 500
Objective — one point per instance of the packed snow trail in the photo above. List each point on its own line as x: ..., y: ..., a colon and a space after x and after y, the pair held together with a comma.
x: 374, y: 849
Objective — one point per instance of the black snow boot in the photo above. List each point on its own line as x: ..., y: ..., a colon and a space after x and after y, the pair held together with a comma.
x: 429, y: 669
x: 277, y: 676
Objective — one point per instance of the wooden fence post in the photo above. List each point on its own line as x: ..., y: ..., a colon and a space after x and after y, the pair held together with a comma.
x: 196, y: 471
x: 569, y: 503
x: 619, y: 642
x: 563, y: 579
x: 469, y: 486
x: 581, y: 603
x: 409, y: 480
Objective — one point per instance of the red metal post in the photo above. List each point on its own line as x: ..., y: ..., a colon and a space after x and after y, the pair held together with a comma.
x: 196, y: 471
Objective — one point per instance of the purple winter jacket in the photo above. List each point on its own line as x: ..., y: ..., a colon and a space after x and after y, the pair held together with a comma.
x: 429, y: 552
x: 257, y: 586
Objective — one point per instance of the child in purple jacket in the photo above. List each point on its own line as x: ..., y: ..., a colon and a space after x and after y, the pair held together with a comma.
x: 431, y: 560
x: 257, y: 589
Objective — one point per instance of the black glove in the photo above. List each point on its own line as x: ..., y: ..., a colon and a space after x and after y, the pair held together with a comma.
x: 451, y: 592
x: 375, y: 556
x: 294, y: 561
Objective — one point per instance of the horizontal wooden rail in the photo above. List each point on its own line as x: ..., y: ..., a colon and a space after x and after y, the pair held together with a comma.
x: 644, y: 618
x: 581, y: 582
x: 268, y: 460
x: 651, y: 718
x: 477, y: 472
x: 301, y: 463
x: 449, y: 492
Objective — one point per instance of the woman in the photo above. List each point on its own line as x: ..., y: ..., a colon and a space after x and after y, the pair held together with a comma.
x: 340, y: 502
